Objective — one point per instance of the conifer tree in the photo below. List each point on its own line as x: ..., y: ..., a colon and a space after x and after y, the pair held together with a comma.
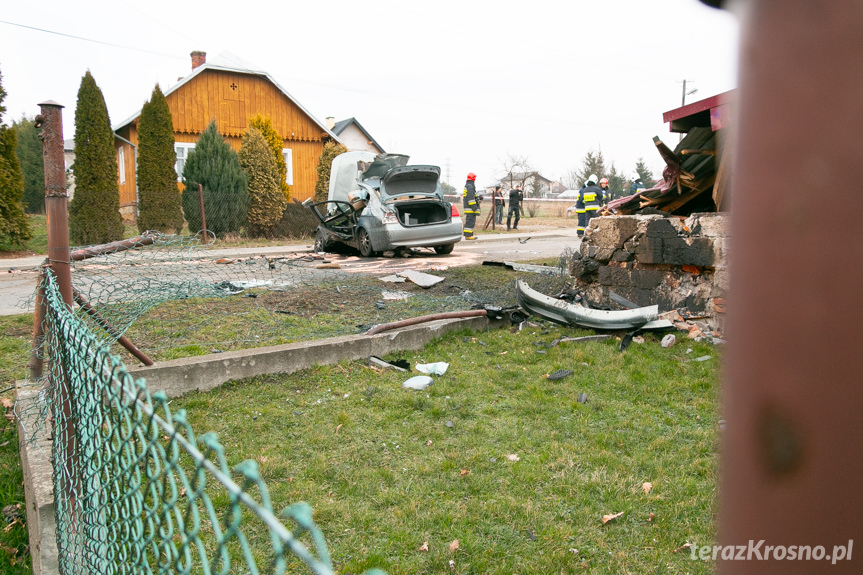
x: 29, y: 154
x: 14, y: 228
x: 94, y: 213
x: 276, y: 144
x: 215, y: 166
x: 159, y: 200
x: 266, y: 201
x: 325, y: 164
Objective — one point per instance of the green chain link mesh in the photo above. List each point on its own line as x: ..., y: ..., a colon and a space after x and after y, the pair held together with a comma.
x: 136, y: 491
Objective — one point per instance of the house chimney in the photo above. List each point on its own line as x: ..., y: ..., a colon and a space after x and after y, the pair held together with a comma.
x: 198, y: 59
x: 331, y: 122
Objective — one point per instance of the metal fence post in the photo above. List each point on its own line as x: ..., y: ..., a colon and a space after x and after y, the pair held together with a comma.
x: 203, y: 215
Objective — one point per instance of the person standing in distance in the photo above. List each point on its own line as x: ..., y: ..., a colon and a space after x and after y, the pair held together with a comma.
x: 471, y: 206
x: 515, y: 198
x: 590, y: 197
x: 606, y: 193
x: 636, y: 184
x: 498, y: 205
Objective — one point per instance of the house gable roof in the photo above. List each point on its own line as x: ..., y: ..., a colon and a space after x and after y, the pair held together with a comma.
x: 227, y: 62
x: 342, y: 125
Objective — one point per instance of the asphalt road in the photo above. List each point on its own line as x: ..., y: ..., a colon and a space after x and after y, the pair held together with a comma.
x: 18, y: 276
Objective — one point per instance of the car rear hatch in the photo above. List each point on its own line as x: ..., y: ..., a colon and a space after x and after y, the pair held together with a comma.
x: 413, y: 193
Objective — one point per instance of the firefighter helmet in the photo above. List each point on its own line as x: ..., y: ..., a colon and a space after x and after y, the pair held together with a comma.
x: 471, y: 176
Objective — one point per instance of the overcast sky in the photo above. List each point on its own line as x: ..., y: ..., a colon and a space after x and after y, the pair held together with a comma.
x: 459, y: 84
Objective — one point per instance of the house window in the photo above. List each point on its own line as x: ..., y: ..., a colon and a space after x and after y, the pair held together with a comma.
x: 182, y: 151
x: 289, y: 166
x: 121, y: 160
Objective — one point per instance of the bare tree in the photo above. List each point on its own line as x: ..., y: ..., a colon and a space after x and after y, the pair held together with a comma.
x: 517, y: 170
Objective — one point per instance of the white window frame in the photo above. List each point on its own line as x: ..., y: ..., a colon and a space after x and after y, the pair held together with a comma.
x: 121, y: 161
x: 288, y: 155
x: 181, y: 149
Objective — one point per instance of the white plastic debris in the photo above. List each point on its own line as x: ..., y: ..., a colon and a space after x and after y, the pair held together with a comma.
x: 668, y: 340
x: 438, y: 368
x: 418, y: 382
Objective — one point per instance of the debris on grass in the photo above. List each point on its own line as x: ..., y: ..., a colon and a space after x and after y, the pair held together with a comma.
x: 686, y: 545
x: 668, y: 340
x: 513, y: 457
x: 393, y: 279
x: 449, y: 423
x: 421, y: 279
x: 638, y: 339
x: 418, y: 382
x: 611, y: 517
x: 377, y: 363
x: 464, y: 472
x: 438, y: 368
x: 582, y: 398
x: 646, y: 486
x: 650, y: 518
x: 559, y: 374
x: 395, y: 295
x: 424, y: 546
x: 454, y: 545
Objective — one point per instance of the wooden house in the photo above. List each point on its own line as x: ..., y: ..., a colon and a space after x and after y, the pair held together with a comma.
x: 231, y: 91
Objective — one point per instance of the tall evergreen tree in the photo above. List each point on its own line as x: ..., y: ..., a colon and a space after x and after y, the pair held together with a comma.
x: 32, y: 165
x: 215, y: 166
x: 14, y: 228
x: 646, y: 174
x: 266, y: 201
x: 593, y: 164
x: 94, y: 213
x: 325, y: 164
x: 159, y: 200
x: 276, y: 144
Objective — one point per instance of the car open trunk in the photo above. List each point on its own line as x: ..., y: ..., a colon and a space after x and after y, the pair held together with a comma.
x: 421, y: 212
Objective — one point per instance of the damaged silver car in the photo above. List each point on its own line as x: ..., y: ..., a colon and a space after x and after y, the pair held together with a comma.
x: 380, y: 203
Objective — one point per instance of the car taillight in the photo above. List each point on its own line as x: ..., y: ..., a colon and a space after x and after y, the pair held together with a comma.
x: 455, y: 213
x: 390, y: 218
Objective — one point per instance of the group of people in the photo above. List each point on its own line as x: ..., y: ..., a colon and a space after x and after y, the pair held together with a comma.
x: 471, y: 201
x: 591, y: 197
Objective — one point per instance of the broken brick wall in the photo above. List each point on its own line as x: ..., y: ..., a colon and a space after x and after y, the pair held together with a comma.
x: 659, y: 260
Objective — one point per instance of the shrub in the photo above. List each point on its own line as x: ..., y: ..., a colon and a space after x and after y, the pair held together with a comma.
x: 276, y: 144
x: 322, y: 186
x: 14, y: 228
x: 266, y: 201
x: 29, y: 154
x: 158, y: 196
x: 94, y: 213
x: 215, y: 166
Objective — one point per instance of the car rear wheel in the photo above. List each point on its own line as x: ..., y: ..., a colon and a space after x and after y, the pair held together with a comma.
x: 444, y: 249
x: 365, y: 244
x: 322, y: 241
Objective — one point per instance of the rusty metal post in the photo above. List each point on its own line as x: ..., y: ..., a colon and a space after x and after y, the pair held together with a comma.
x: 791, y: 462
x: 57, y: 215
x: 56, y: 201
x: 36, y: 364
x: 203, y: 215
x: 122, y: 340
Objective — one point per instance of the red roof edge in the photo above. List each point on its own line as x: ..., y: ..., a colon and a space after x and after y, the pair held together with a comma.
x: 699, y: 106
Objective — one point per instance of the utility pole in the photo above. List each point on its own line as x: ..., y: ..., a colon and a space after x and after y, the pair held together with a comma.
x: 684, y: 95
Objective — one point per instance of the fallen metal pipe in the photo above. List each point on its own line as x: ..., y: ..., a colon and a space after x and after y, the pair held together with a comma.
x: 122, y: 340
x: 426, y: 318
x: 145, y: 239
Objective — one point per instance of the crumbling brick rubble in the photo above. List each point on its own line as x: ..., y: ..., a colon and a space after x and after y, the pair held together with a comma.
x: 657, y: 260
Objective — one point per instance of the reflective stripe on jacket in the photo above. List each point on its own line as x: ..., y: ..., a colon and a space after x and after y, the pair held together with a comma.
x: 470, y: 200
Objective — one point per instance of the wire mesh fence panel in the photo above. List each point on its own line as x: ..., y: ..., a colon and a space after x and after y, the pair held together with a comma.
x: 136, y: 491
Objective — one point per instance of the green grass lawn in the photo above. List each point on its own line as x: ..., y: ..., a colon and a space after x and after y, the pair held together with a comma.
x: 14, y: 345
x: 493, y: 455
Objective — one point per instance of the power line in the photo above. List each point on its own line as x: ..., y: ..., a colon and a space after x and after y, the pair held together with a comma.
x: 90, y: 40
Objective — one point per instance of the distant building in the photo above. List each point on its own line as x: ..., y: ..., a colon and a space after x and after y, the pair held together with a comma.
x: 533, y: 184
x: 354, y: 136
x: 69, y: 161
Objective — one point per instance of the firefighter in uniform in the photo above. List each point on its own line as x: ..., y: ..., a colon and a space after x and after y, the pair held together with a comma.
x: 590, y: 200
x: 579, y: 211
x: 471, y: 206
x: 606, y: 193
